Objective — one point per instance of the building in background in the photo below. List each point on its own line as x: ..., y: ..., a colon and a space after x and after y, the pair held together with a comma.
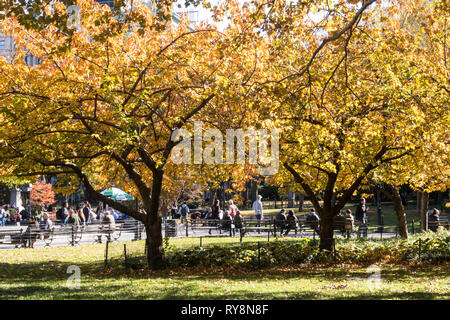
x: 6, y: 46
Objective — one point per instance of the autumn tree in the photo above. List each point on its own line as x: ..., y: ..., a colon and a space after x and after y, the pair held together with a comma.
x: 42, y: 193
x: 425, y: 169
x: 351, y: 97
x: 102, y: 106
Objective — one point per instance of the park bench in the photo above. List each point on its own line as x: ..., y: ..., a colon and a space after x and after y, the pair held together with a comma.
x: 11, y: 235
x: 209, y: 224
x: 339, y: 224
x: 112, y: 233
x: 444, y: 221
x: 47, y: 236
x: 303, y: 225
x: 252, y: 224
x: 73, y: 233
x: 130, y: 226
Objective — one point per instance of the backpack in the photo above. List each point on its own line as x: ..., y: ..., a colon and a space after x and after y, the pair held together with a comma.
x: 59, y: 214
x: 184, y: 210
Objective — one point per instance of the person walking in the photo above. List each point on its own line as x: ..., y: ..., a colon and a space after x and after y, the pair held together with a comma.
x: 65, y: 213
x: 2, y: 216
x: 87, y: 212
x: 258, y: 210
x: 349, y: 223
x: 163, y: 209
x: 174, y: 210
x: 215, y: 209
x: 361, y: 217
x: 232, y: 208
x: 183, y: 212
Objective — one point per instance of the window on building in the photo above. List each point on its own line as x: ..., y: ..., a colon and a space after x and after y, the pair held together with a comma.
x: 2, y: 44
x: 108, y: 2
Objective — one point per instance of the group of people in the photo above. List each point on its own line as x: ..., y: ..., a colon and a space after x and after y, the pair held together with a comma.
x: 213, y: 212
x: 228, y: 217
x: 83, y: 216
x: 285, y: 221
x: 313, y: 219
x: 12, y: 214
x: 40, y: 225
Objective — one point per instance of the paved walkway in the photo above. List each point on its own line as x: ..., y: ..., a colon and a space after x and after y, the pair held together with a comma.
x: 63, y: 240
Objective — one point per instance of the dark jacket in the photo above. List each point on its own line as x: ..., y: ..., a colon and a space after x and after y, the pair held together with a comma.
x: 215, y: 212
x: 238, y: 221
x: 360, y: 213
x: 433, y: 218
x: 87, y: 213
x: 291, y: 221
x: 280, y: 219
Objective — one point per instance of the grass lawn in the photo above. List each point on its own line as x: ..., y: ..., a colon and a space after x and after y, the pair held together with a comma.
x: 41, y: 274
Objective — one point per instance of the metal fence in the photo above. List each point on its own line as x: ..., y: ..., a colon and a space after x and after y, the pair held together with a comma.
x: 27, y: 236
x: 32, y: 235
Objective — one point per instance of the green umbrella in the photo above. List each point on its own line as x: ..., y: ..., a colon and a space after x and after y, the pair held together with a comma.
x: 116, y: 194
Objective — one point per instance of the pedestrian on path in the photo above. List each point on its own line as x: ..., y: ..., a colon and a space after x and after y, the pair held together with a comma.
x: 258, y: 210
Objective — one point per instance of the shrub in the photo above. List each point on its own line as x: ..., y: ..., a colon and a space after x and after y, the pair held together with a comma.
x: 426, y: 246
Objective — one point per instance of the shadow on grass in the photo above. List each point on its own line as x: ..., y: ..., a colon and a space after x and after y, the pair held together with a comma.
x: 47, y: 280
x: 191, y: 291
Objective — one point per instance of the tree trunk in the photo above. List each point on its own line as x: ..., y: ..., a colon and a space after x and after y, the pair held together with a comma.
x: 400, y: 212
x: 301, y: 202
x: 423, y: 211
x: 419, y: 202
x: 439, y: 200
x: 213, y: 197
x: 291, y: 199
x: 333, y: 199
x: 155, y: 249
x: 326, y: 230
x: 253, y: 191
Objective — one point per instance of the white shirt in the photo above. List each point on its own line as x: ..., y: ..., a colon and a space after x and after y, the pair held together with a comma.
x: 258, y: 208
x: 48, y: 224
